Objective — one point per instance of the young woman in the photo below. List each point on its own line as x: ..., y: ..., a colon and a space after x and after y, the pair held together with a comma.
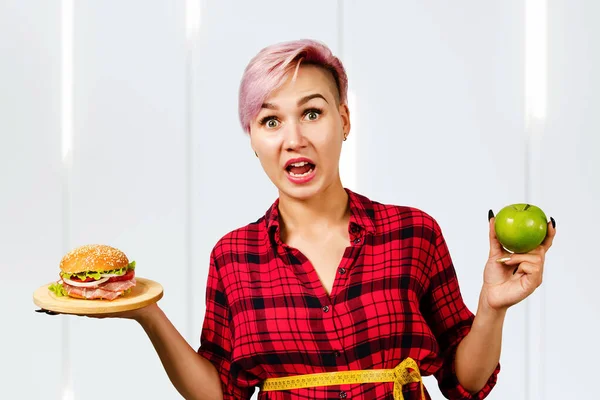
x: 328, y: 280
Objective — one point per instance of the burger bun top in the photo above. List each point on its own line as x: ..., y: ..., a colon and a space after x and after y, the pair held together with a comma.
x: 94, y: 258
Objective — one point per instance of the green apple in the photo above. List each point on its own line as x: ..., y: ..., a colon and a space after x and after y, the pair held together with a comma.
x: 521, y: 227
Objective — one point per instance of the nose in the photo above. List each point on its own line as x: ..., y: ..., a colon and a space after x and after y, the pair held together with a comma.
x: 294, y: 138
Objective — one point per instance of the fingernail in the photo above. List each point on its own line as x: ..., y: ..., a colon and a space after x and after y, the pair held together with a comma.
x: 490, y: 215
x: 515, y: 271
x: 553, y: 222
x: 503, y: 259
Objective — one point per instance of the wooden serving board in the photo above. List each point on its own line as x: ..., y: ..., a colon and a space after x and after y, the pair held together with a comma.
x: 145, y: 292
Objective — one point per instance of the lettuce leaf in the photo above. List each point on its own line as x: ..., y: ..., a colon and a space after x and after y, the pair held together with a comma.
x: 57, y: 289
x: 96, y: 275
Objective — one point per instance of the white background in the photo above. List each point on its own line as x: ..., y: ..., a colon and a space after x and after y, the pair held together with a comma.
x: 118, y: 125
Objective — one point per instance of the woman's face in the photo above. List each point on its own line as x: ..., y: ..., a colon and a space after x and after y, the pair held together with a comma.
x: 299, y: 131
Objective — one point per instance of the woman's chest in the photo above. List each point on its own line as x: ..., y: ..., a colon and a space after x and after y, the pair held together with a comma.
x: 284, y: 308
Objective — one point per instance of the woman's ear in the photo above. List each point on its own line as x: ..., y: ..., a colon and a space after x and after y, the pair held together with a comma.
x: 251, y: 144
x: 345, y: 115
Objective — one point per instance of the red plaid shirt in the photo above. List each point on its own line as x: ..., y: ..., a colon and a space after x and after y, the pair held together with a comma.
x: 395, y: 296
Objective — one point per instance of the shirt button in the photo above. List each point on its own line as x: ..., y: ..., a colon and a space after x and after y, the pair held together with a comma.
x: 337, y: 353
x: 326, y: 309
x: 342, y: 271
x: 343, y: 395
x: 357, y: 241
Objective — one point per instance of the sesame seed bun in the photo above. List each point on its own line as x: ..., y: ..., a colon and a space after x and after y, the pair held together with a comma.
x: 93, y: 257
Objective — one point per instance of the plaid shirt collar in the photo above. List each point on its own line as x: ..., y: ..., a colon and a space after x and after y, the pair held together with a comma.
x: 362, y: 218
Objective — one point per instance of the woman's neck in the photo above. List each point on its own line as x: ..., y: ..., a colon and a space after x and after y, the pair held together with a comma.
x: 329, y: 209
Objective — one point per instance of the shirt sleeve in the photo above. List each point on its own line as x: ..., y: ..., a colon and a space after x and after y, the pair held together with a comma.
x: 450, y: 320
x: 215, y: 338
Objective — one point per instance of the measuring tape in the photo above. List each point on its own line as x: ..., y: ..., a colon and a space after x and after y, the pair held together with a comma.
x: 400, y: 375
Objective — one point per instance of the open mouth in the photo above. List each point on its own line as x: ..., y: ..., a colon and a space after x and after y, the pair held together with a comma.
x: 300, y: 169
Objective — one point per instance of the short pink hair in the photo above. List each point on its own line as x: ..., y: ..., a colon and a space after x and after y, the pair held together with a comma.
x: 268, y: 69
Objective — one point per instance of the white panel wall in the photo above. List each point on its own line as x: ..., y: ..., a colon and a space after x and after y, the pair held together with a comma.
x: 569, y: 183
x: 30, y: 197
x: 162, y: 169
x: 129, y: 174
x: 439, y: 111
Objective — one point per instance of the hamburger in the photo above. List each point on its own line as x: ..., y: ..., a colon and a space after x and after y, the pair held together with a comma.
x: 95, y: 271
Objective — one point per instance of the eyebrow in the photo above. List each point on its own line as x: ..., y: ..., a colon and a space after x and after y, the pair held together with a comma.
x: 303, y: 100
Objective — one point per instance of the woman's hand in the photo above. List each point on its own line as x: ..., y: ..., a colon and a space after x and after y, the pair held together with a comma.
x: 510, y: 278
x: 137, y: 315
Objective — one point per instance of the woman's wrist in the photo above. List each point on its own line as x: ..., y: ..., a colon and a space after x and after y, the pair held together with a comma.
x: 489, y: 314
x: 145, y: 316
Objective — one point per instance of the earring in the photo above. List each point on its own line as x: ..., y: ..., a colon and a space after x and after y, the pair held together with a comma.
x: 345, y: 137
x: 255, y: 154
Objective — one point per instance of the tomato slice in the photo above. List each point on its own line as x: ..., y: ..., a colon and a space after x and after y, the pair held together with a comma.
x: 125, y: 277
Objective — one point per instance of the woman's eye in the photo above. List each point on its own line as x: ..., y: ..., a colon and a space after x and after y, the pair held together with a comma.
x: 313, y: 114
x: 269, y: 122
